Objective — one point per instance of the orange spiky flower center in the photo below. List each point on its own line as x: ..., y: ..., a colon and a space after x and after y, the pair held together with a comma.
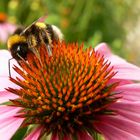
x: 65, y: 92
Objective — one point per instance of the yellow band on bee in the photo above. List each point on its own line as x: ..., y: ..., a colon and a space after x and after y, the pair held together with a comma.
x: 14, y: 40
x: 40, y: 24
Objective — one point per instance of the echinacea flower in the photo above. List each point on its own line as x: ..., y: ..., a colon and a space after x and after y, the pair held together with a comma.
x: 6, y: 28
x: 74, y: 94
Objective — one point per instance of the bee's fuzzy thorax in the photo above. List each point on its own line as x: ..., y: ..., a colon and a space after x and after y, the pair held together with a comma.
x: 14, y: 39
x: 40, y: 24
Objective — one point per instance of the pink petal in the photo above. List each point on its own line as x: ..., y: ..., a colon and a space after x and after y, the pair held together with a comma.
x: 130, y: 92
x: 67, y: 137
x: 125, y: 70
x: 54, y: 136
x: 129, y: 106
x: 4, y: 68
x: 3, y: 33
x: 34, y: 135
x: 123, y: 124
x: 111, y: 132
x: 120, y: 82
x: 130, y: 115
x: 103, y: 49
x: 9, y: 126
x: 5, y: 96
x: 5, y: 83
x: 84, y: 136
x: 4, y: 54
x: 8, y: 123
x: 8, y: 111
x: 11, y: 28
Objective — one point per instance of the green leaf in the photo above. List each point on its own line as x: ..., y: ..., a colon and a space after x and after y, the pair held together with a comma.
x: 19, y: 134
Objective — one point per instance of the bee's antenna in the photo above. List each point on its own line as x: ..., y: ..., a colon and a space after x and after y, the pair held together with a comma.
x: 9, y: 66
x: 39, y: 19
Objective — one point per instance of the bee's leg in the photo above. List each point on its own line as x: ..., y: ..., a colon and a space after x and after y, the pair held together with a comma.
x: 36, y: 52
x: 22, y: 60
x: 33, y: 46
x: 49, y: 49
x: 9, y: 66
x: 47, y: 41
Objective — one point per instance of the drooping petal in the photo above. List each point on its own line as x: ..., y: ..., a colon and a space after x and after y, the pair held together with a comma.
x: 130, y: 92
x: 118, y: 127
x: 120, y: 82
x: 125, y: 70
x: 130, y: 110
x: 5, y: 83
x: 104, y: 50
x: 9, y: 127
x: 4, y: 67
x: 34, y: 135
x: 124, y: 124
x: 4, y: 70
x: 111, y: 132
x: 5, y: 96
x: 4, y: 54
x: 55, y: 136
x: 8, y: 111
x: 8, y: 122
x: 84, y: 136
x: 4, y: 57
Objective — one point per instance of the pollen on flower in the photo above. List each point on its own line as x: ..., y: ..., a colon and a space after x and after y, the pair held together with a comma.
x: 66, y: 91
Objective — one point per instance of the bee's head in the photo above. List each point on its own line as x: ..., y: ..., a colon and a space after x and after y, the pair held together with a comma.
x: 18, y: 47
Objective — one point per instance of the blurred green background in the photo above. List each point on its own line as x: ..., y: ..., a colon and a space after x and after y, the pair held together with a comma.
x: 88, y: 21
x: 116, y: 22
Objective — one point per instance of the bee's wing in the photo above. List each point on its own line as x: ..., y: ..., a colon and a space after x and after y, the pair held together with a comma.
x: 28, y: 27
x: 39, y: 19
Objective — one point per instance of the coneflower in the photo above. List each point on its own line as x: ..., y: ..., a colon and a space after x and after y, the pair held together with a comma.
x: 74, y: 94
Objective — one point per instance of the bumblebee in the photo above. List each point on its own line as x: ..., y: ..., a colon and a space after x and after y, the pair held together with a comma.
x: 25, y: 40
